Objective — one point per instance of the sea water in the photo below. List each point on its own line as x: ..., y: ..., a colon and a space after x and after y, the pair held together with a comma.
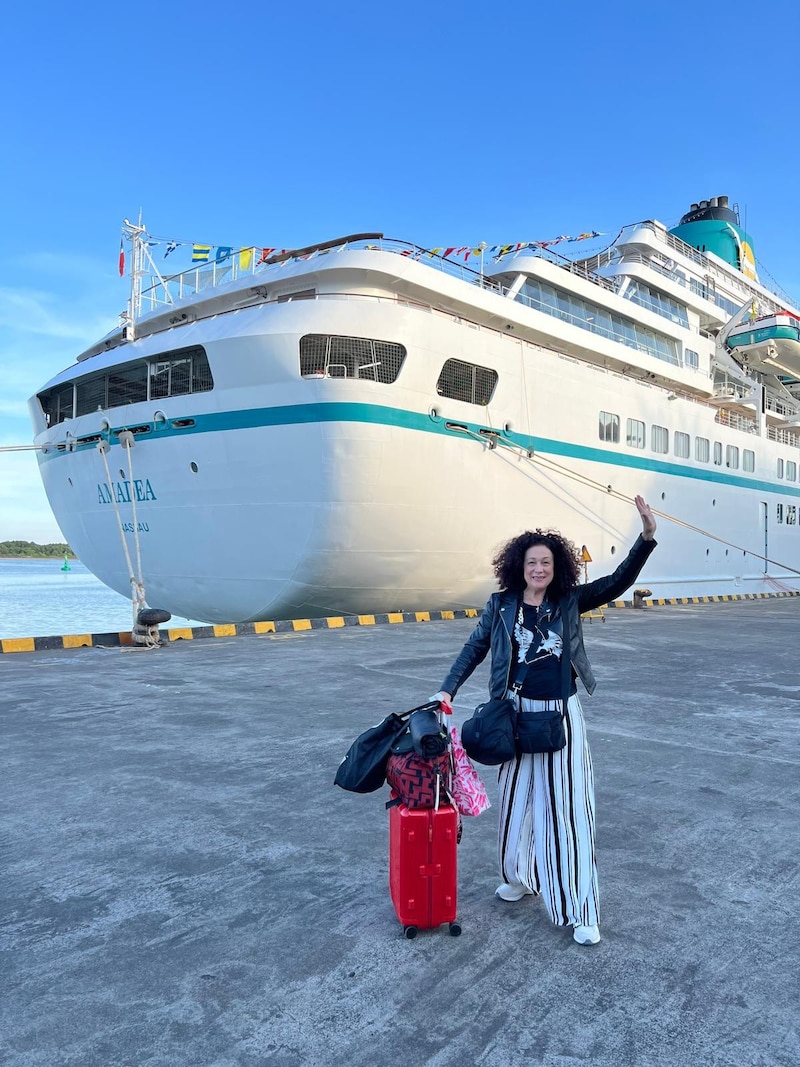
x: 39, y: 599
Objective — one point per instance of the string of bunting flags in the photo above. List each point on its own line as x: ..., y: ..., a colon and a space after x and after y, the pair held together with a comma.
x: 202, y: 253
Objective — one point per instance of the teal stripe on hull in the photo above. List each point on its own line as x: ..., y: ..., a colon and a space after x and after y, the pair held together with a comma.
x: 377, y: 414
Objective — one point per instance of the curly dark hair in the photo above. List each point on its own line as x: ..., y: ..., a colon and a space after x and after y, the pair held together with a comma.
x: 509, y: 561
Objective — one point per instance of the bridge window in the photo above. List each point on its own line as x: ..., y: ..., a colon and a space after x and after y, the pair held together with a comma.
x: 184, y: 370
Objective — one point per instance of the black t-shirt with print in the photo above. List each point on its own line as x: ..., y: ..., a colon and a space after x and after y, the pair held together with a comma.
x: 538, y: 641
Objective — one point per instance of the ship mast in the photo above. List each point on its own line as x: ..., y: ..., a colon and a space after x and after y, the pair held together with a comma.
x: 141, y: 263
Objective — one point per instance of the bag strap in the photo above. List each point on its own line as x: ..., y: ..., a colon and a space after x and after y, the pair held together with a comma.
x: 566, y: 659
x: 517, y: 686
x: 430, y: 705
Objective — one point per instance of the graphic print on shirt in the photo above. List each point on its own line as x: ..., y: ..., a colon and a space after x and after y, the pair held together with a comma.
x: 541, y: 641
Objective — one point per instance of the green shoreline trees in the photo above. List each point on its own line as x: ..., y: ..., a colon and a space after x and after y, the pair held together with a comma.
x: 29, y: 549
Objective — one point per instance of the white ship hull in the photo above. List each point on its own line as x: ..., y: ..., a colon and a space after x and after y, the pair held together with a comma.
x: 279, y: 495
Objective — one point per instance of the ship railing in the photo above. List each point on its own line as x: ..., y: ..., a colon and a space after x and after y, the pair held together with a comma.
x: 781, y: 408
x: 159, y: 292
x: 552, y: 309
x: 783, y: 436
x: 708, y: 268
x: 736, y: 421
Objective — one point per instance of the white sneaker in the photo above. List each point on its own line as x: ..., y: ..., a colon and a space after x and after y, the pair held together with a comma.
x: 512, y: 891
x: 586, y: 935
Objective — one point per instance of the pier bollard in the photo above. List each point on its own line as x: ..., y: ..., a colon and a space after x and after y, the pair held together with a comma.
x: 145, y: 630
x: 639, y: 596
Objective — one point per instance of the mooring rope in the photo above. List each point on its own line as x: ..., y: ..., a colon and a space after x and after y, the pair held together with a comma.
x: 607, y: 490
x: 137, y: 586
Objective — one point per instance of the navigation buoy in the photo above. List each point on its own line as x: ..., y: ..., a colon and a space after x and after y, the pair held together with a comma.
x: 66, y: 566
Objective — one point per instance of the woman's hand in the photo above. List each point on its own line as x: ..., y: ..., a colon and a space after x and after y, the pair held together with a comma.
x: 648, y: 520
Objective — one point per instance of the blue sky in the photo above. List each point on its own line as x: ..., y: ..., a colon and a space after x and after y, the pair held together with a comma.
x: 440, y: 123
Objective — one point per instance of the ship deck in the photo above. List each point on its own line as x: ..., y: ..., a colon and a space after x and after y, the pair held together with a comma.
x: 183, y: 884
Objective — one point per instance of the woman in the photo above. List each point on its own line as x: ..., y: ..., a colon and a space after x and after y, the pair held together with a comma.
x: 546, y: 832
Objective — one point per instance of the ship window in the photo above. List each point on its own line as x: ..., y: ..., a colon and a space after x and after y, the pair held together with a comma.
x: 466, y: 381
x: 185, y: 370
x: 749, y: 460
x: 588, y: 316
x: 780, y: 468
x: 609, y: 427
x: 701, y: 449
x: 717, y: 454
x: 659, y: 439
x: 691, y: 359
x: 90, y: 394
x: 634, y: 434
x: 779, y: 513
x: 660, y: 303
x: 732, y: 457
x: 681, y: 444
x: 57, y: 404
x: 791, y: 514
x: 127, y: 385
x: 791, y: 470
x: 351, y: 357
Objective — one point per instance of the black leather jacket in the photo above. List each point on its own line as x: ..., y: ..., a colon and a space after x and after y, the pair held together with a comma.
x: 495, y: 626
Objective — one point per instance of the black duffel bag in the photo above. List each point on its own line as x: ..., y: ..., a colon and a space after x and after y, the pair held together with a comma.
x: 363, y: 769
x: 488, y: 736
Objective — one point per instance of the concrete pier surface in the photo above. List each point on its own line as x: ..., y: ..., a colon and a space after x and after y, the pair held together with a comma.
x: 181, y: 883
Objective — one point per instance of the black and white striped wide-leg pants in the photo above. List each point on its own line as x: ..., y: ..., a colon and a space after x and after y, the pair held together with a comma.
x: 546, y: 832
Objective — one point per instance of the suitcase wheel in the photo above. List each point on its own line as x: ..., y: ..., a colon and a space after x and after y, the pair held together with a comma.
x: 410, y: 932
x: 455, y: 929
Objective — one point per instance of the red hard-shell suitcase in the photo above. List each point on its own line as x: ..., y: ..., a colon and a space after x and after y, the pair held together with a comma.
x: 423, y: 867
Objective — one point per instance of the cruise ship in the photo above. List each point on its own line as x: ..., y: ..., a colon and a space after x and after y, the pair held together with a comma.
x: 356, y: 426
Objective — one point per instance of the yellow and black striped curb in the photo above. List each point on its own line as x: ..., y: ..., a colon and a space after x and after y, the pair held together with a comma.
x: 115, y: 640
x: 647, y: 602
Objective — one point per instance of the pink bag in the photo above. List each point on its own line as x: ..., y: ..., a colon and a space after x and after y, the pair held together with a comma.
x: 469, y: 792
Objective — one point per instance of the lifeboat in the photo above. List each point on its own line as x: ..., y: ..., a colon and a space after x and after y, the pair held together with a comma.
x: 770, y: 343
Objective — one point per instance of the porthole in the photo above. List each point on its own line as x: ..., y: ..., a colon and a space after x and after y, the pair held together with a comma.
x: 708, y: 550
x: 726, y: 551
x: 69, y: 480
x: 193, y: 467
x: 663, y: 496
x: 122, y: 474
x: 714, y: 502
x: 613, y: 550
